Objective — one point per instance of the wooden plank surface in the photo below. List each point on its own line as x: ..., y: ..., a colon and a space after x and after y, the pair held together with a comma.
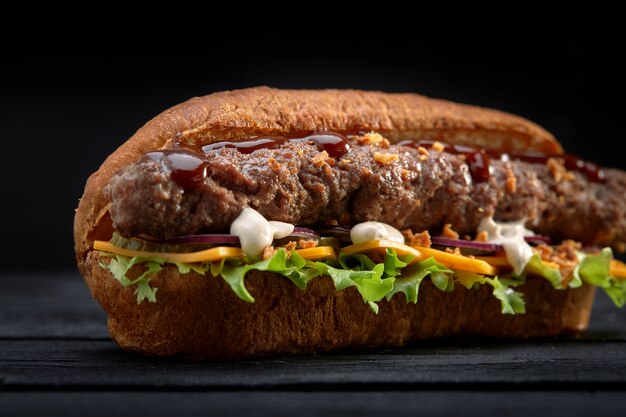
x: 55, y: 355
x: 305, y: 404
x: 101, y: 365
x: 49, y: 305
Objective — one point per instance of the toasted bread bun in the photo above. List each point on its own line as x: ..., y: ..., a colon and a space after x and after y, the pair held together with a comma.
x: 199, y: 317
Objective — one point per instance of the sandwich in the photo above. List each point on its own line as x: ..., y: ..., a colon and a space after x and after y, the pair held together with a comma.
x: 261, y: 222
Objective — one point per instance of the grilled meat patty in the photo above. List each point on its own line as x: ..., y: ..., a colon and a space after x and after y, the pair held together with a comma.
x: 399, y: 185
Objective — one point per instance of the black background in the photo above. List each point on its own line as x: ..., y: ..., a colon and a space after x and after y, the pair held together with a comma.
x: 67, y: 104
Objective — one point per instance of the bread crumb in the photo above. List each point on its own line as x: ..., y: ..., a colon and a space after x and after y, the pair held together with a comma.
x: 344, y: 163
x: 371, y: 138
x: 307, y: 243
x: 384, y: 144
x: 480, y: 210
x: 268, y: 252
x: 511, y: 182
x: 563, y: 255
x: 274, y: 165
x: 481, y: 237
x: 557, y: 170
x: 420, y: 239
x: 455, y: 251
x: 290, y: 246
x: 438, y: 146
x: 423, y: 157
x: 385, y: 158
x: 448, y: 231
x: 423, y: 151
x: 320, y: 159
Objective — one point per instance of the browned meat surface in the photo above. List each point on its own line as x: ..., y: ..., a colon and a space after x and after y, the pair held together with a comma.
x: 297, y: 184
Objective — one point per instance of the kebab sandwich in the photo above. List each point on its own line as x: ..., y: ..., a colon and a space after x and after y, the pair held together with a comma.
x: 262, y: 221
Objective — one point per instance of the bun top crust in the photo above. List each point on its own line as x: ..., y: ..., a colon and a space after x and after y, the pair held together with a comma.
x: 241, y: 114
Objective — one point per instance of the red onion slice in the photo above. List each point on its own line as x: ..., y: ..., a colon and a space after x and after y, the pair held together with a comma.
x: 219, y: 239
x: 468, y: 244
x: 537, y: 239
x: 338, y: 230
x: 485, y: 246
x: 305, y: 233
x: 201, y: 239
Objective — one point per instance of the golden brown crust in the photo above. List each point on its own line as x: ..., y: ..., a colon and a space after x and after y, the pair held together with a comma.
x: 199, y: 317
x: 193, y: 312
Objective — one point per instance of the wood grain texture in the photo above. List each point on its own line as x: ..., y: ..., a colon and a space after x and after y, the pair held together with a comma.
x: 49, y: 305
x: 452, y: 364
x: 305, y: 404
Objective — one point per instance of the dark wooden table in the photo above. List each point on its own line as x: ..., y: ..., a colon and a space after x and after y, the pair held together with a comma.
x: 56, y: 358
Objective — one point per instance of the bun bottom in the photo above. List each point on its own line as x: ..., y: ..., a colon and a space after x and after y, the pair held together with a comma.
x: 199, y: 317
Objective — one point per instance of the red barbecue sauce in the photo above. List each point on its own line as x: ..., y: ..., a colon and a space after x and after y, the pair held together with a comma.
x: 188, y: 166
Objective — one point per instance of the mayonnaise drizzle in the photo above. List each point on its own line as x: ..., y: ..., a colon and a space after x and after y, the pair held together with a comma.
x: 256, y: 233
x: 366, y: 231
x: 511, y: 237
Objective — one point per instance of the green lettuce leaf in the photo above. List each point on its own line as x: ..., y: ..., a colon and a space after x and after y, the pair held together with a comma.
x: 595, y: 270
x: 373, y: 281
x: 512, y: 301
x: 617, y: 292
x: 119, y: 267
x: 412, y: 276
x: 395, y: 274
x: 370, y: 284
x: 289, y: 266
x: 185, y: 268
x: 537, y: 267
x: 442, y: 281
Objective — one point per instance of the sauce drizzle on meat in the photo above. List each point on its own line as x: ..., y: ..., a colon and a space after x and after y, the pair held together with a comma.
x: 334, y: 144
x: 188, y: 165
x: 478, y: 160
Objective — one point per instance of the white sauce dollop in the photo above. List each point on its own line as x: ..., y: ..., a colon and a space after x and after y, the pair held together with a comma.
x: 256, y: 233
x: 511, y: 237
x: 363, y: 232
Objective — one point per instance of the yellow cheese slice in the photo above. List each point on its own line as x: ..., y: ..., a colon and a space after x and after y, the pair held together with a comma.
x: 502, y: 262
x: 379, y: 246
x: 450, y: 260
x: 317, y: 253
x: 618, y: 269
x: 454, y: 261
x: 209, y: 255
